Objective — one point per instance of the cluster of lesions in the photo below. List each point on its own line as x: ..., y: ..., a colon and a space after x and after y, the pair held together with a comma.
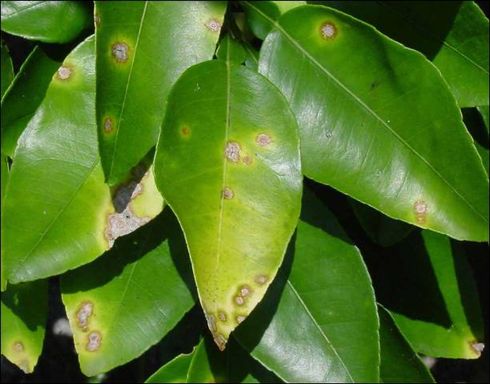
x: 238, y: 314
x: 83, y: 317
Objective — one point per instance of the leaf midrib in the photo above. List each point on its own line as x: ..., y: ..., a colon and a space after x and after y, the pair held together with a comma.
x: 310, y: 315
x: 367, y: 108
x: 123, y: 105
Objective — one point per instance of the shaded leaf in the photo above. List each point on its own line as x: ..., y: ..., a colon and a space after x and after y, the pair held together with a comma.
x: 137, y: 63
x: 47, y: 21
x: 452, y: 34
x: 381, y: 144
x: 228, y: 165
x: 25, y: 95
x: 261, y: 25
x: 324, y: 327
x: 205, y: 364
x: 126, y: 301
x: 399, y: 363
x: 56, y: 203
x: 484, y: 114
x: 7, y: 69
x: 428, y: 287
x: 231, y: 50
x: 24, y: 316
x: 380, y: 228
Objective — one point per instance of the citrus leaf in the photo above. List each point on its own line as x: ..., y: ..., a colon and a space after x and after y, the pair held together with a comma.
x: 24, y: 316
x: 377, y: 136
x: 127, y: 300
x: 380, y: 228
x: 261, y: 25
x: 24, y: 96
x: 137, y: 63
x: 231, y: 50
x: 228, y: 165
x: 324, y: 327
x: 452, y: 34
x: 7, y: 69
x: 399, y: 363
x: 47, y: 21
x: 205, y: 364
x: 56, y: 203
x: 427, y: 285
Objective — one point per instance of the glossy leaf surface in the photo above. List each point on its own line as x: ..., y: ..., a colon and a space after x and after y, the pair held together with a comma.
x: 399, y: 363
x: 452, y: 34
x: 324, y: 328
x: 7, y: 69
x: 205, y: 364
x: 56, y: 203
x: 24, y: 316
x: 137, y: 63
x: 231, y: 50
x: 377, y: 136
x: 261, y: 25
x: 25, y: 95
x: 428, y: 287
x: 47, y: 21
x: 228, y: 165
x: 126, y: 301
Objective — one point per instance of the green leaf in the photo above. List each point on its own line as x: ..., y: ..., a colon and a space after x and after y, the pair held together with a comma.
x: 56, y: 203
x: 46, y: 21
x: 399, y: 363
x: 7, y: 69
x: 452, y: 34
x: 24, y: 96
x: 128, y: 299
x: 261, y: 25
x: 377, y: 136
x: 24, y: 316
x: 137, y: 63
x: 205, y: 364
x: 228, y: 165
x: 380, y: 228
x: 231, y: 50
x: 428, y: 287
x: 324, y: 327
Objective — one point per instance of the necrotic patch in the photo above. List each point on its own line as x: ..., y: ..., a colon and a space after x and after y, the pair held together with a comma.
x: 263, y: 140
x: 213, y: 25
x: 120, y: 52
x: 328, y: 30
x: 420, y: 209
x: 239, y: 318
x: 63, y: 73
x: 261, y: 279
x: 83, y: 314
x: 94, y: 339
x: 232, y: 151
x: 108, y: 125
x: 18, y: 347
x: 228, y: 193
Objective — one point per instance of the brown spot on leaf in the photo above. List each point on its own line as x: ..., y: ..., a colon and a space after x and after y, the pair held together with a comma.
x: 261, y: 279
x: 239, y: 300
x: 232, y: 151
x: 186, y: 131
x: 108, y: 125
x: 263, y: 140
x: 420, y: 209
x: 64, y: 72
x: 240, y: 318
x: 18, y: 347
x: 83, y: 315
x: 228, y: 193
x: 120, y: 52
x: 213, y: 25
x: 94, y: 339
x: 220, y: 341
x: 245, y: 290
x: 247, y: 160
x: 328, y: 30
x: 222, y: 316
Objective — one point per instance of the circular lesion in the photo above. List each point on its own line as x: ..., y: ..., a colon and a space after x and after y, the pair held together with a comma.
x: 328, y: 30
x: 120, y: 52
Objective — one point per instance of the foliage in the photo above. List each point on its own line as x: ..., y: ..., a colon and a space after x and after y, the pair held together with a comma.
x: 167, y: 157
